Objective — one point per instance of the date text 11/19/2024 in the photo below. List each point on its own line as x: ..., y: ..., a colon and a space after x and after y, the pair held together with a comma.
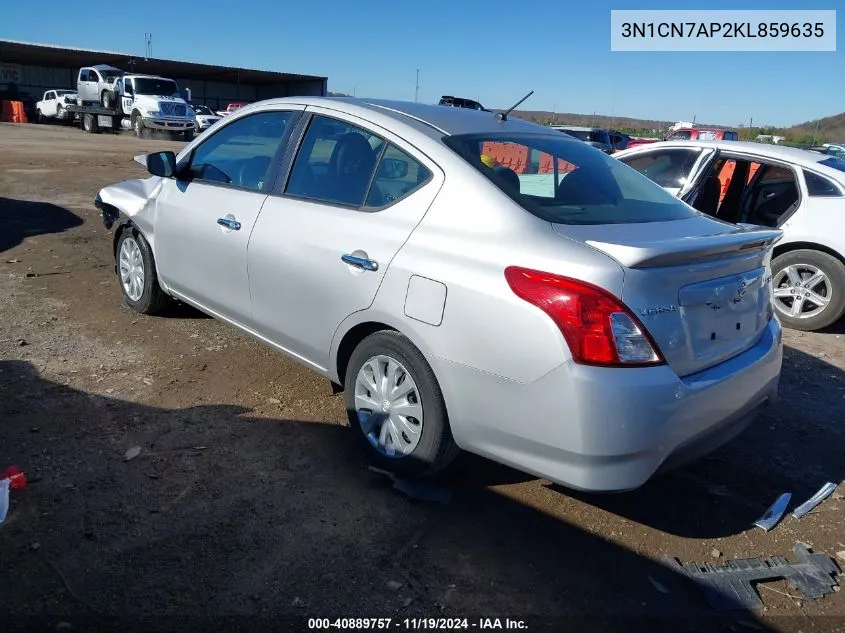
x: 416, y: 624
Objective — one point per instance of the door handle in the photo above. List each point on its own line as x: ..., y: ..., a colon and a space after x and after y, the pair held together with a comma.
x: 769, y: 195
x: 360, y: 262
x: 229, y: 224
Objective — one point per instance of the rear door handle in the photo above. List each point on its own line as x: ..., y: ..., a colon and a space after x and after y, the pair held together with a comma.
x: 360, y: 262
x: 229, y: 224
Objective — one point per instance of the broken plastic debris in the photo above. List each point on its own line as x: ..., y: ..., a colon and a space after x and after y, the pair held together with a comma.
x: 774, y: 513
x: 731, y: 586
x: 4, y: 499
x: 659, y: 586
x: 132, y: 453
x: 17, y: 479
x: 815, y: 500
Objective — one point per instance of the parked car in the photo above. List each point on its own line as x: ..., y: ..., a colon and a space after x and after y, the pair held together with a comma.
x: 830, y: 150
x: 702, y: 134
x: 561, y: 322
x: 205, y: 117
x: 461, y: 102
x: 53, y: 105
x: 96, y: 84
x: 232, y: 107
x: 798, y: 191
x: 607, y: 141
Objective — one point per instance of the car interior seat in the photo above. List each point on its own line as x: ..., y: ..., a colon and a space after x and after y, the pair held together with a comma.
x: 508, y: 177
x: 350, y: 170
x: 707, y: 200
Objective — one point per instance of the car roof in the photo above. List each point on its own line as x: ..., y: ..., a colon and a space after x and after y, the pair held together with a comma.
x: 434, y: 121
x: 795, y: 155
x: 104, y: 67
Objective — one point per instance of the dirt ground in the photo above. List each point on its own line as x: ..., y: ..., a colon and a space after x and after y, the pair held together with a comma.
x: 249, y: 502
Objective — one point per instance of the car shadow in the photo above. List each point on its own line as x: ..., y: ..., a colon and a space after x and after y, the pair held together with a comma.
x: 22, y: 218
x: 221, y: 512
x: 795, y: 446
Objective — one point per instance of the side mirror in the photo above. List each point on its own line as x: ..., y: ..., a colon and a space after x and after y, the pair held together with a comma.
x: 160, y: 163
x: 393, y: 168
x: 187, y: 93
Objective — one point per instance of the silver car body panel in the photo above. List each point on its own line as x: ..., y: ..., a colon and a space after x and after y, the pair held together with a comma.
x: 511, y: 386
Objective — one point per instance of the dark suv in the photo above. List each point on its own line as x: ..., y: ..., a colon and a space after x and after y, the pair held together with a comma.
x: 608, y: 141
x: 461, y: 102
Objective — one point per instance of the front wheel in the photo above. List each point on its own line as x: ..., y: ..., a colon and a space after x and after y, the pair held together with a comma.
x: 396, y: 408
x: 138, y: 126
x: 809, y: 289
x: 137, y: 271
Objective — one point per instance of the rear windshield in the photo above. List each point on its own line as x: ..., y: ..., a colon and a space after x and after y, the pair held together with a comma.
x: 680, y: 136
x: 562, y: 180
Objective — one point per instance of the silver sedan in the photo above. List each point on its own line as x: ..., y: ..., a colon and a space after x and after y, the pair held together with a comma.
x: 469, y: 280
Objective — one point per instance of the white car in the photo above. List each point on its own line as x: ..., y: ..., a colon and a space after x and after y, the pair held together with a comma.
x: 205, y: 117
x: 54, y: 105
x: 798, y: 191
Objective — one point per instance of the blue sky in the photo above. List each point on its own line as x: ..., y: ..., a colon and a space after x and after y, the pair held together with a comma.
x: 494, y: 50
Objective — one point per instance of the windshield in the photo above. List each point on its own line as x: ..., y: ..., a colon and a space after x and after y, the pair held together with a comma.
x: 108, y: 74
x: 834, y: 163
x: 156, y: 87
x: 201, y: 109
x: 565, y: 181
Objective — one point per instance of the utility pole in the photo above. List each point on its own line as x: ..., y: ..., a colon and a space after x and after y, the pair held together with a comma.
x: 816, y: 133
x: 554, y: 113
x: 751, y: 129
x: 148, y: 46
x: 417, y: 90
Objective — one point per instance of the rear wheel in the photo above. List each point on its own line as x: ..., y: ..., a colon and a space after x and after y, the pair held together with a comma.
x: 89, y: 123
x: 809, y: 288
x: 137, y: 272
x: 39, y: 116
x: 396, y: 408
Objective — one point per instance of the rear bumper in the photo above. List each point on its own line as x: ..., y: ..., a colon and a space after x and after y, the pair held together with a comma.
x: 607, y: 429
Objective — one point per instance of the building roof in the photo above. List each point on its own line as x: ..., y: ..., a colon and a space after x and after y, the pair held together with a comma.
x: 15, y: 52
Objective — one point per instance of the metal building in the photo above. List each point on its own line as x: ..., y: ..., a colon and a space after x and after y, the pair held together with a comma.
x: 28, y: 70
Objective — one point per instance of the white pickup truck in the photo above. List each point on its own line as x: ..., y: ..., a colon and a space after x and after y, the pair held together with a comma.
x: 54, y: 105
x: 141, y: 103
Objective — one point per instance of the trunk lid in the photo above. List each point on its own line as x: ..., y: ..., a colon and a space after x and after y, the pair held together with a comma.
x: 701, y: 287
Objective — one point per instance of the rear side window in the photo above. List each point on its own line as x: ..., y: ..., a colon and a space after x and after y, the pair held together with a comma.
x: 572, y: 183
x: 821, y: 187
x: 667, y: 167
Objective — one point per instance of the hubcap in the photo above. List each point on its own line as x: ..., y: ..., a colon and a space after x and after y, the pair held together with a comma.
x: 801, y: 291
x: 131, y: 265
x: 389, y: 406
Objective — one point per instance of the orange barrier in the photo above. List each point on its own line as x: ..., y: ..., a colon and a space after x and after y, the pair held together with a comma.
x: 13, y: 112
x: 547, y: 165
x: 508, y: 155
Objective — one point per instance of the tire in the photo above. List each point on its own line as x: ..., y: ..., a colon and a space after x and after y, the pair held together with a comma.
x: 145, y: 295
x: 429, y: 450
x: 60, y: 114
x: 808, y: 265
x: 39, y: 117
x: 106, y: 100
x: 138, y: 126
x: 89, y: 123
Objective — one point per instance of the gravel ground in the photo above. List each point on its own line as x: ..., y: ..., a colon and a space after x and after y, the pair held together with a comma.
x: 249, y: 502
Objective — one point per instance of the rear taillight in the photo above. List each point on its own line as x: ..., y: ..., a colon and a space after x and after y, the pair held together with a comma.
x: 598, y: 328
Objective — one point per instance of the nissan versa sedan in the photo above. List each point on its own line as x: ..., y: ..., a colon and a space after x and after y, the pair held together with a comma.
x: 468, y: 280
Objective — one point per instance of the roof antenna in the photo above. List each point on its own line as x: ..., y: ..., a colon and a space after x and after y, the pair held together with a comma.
x: 503, y: 116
